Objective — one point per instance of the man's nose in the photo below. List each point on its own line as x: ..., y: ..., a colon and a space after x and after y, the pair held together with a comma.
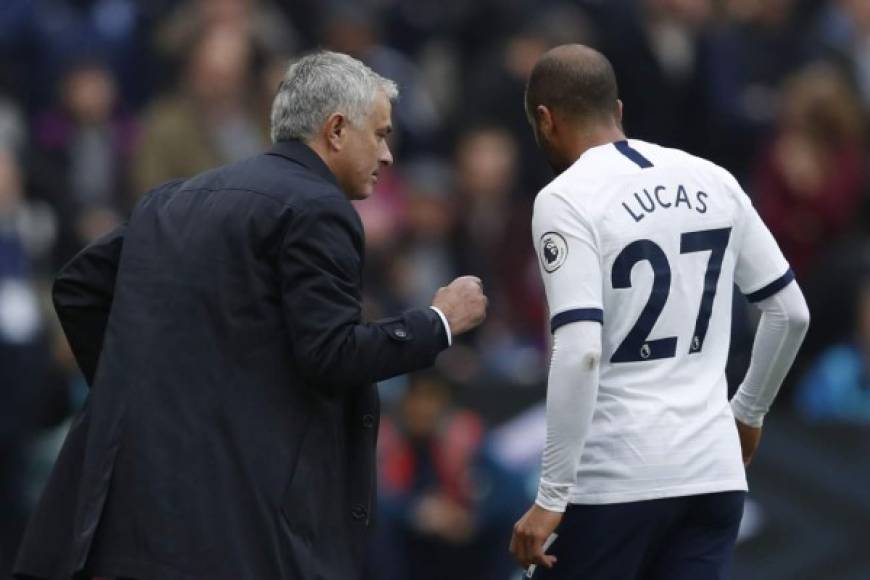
x: 386, y: 157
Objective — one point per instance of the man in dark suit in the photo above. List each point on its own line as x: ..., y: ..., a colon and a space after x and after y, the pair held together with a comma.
x: 231, y: 424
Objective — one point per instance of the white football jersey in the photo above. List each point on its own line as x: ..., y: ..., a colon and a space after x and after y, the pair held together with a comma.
x: 650, y: 241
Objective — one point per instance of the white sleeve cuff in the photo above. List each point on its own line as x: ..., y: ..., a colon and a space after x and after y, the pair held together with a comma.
x: 744, y: 414
x: 553, y: 496
x: 445, y: 323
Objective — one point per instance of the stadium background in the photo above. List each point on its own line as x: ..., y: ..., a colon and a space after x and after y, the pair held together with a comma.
x: 102, y: 99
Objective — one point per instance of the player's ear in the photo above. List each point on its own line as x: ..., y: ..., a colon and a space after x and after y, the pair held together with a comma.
x: 335, y: 131
x: 619, y: 111
x: 544, y: 118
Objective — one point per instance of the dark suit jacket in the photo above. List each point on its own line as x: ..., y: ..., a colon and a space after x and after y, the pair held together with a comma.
x: 232, y: 418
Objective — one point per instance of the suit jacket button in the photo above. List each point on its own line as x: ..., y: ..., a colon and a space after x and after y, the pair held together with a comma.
x: 400, y: 333
x: 368, y: 421
x: 359, y: 512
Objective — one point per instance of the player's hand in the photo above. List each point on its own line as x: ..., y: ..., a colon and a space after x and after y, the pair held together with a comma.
x: 530, y: 533
x: 463, y: 303
x: 749, y: 439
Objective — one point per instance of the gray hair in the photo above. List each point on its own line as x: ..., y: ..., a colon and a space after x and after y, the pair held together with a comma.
x: 320, y: 84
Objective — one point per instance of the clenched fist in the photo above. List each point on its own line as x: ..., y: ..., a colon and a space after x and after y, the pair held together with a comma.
x: 463, y: 303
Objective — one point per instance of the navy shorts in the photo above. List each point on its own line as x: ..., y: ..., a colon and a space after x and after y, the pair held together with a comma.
x: 680, y: 538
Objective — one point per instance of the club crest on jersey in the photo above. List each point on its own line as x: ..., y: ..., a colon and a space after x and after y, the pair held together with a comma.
x: 554, y: 251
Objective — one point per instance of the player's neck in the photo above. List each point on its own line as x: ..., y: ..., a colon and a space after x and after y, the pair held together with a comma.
x: 587, y: 137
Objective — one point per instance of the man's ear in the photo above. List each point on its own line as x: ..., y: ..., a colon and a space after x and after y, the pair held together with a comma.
x: 544, y: 117
x: 335, y: 131
x: 619, y: 111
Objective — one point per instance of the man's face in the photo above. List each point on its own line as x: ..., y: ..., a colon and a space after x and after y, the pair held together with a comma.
x: 366, y: 151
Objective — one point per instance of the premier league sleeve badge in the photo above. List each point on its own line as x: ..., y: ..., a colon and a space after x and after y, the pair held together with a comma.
x: 554, y: 251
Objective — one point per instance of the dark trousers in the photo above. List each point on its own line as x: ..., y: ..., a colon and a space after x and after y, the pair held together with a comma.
x: 681, y: 538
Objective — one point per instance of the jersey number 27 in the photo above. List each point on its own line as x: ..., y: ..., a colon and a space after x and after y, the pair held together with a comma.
x: 636, y: 346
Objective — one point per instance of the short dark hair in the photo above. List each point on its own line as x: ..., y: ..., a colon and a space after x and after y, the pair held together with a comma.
x: 575, y: 80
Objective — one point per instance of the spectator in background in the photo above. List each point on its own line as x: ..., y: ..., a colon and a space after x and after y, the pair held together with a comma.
x: 445, y: 505
x: 270, y: 76
x: 42, y: 34
x: 412, y: 24
x: 28, y: 225
x: 837, y: 385
x: 212, y: 119
x: 751, y: 51
x: 423, y: 254
x: 656, y: 47
x: 493, y: 239
x: 352, y: 30
x: 844, y: 30
x: 269, y: 31
x: 22, y: 348
x: 495, y: 83
x: 810, y: 181
x: 833, y: 287
x: 82, y: 154
x: 12, y: 131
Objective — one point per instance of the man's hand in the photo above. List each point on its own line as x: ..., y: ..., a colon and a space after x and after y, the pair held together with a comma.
x: 463, y: 303
x: 530, y: 533
x: 749, y: 439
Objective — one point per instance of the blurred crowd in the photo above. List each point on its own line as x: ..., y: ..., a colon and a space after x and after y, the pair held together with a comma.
x: 101, y: 100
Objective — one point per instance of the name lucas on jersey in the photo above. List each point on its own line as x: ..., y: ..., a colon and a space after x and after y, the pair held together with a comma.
x: 641, y: 204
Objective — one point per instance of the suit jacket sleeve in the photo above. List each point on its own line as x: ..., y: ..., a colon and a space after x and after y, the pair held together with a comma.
x: 321, y: 264
x: 82, y: 296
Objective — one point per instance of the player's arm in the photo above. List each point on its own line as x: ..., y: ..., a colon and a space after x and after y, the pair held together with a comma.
x: 571, y: 271
x: 572, y: 388
x: 764, y: 276
x: 784, y: 322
